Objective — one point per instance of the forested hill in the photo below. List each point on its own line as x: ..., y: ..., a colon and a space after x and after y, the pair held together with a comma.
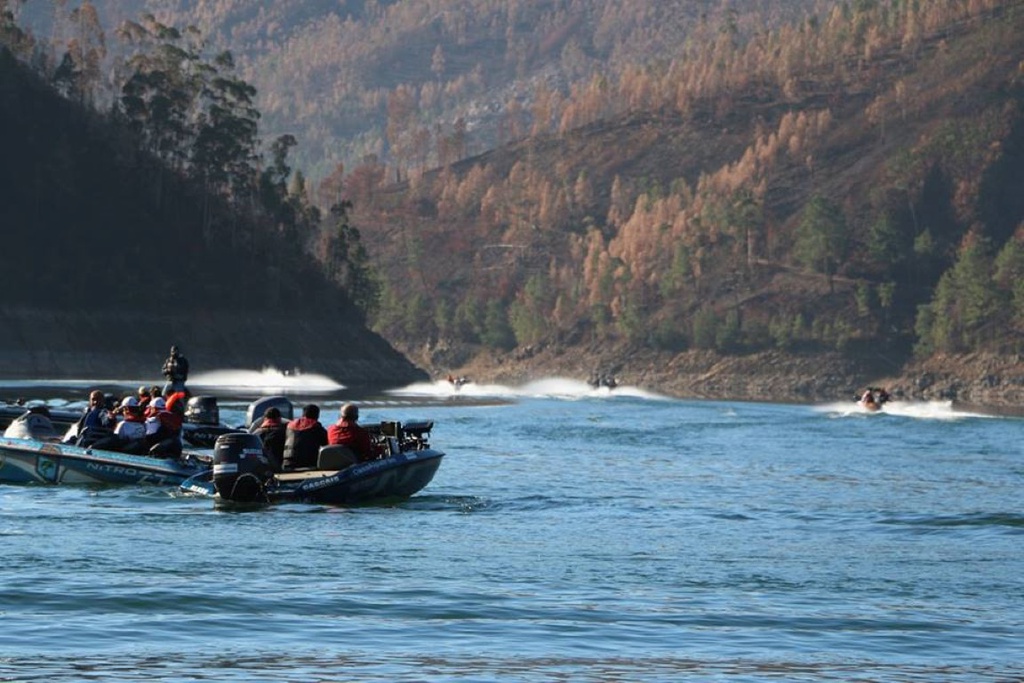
x: 110, y: 255
x: 563, y: 181
x: 846, y: 185
x: 421, y: 82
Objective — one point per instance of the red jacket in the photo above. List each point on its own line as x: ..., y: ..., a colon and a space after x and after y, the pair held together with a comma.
x: 346, y: 433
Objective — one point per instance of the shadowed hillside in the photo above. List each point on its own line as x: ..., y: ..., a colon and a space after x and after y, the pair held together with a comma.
x: 110, y: 257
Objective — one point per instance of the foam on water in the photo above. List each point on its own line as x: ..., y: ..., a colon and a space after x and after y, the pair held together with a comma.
x: 549, y: 387
x: 922, y: 410
x: 268, y: 381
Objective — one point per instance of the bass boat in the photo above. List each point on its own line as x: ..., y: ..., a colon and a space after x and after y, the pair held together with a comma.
x: 200, y: 428
x: 242, y: 473
x: 30, y: 452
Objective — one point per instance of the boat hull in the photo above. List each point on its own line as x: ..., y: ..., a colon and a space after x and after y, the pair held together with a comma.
x: 396, y: 477
x: 27, y: 461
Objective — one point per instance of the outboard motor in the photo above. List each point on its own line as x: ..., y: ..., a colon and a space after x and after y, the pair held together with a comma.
x: 32, y: 425
x: 257, y: 408
x: 202, y: 410
x: 240, y: 468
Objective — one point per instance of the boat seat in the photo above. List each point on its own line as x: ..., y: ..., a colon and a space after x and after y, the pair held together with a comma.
x: 335, y: 457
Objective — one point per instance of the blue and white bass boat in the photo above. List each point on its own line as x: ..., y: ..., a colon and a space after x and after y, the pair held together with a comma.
x: 36, y: 455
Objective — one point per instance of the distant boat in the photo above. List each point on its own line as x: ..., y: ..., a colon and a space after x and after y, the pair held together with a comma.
x: 603, y: 382
x: 873, y: 399
x: 458, y: 382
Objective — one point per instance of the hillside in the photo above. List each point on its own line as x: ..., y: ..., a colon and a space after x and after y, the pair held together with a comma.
x: 851, y: 228
x: 771, y: 200
x: 110, y: 256
x: 422, y: 82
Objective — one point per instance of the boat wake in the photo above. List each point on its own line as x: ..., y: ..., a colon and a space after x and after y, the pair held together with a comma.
x: 267, y: 381
x: 922, y: 410
x: 551, y: 387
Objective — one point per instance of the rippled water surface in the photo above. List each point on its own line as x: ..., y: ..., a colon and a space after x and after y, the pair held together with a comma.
x: 569, y: 535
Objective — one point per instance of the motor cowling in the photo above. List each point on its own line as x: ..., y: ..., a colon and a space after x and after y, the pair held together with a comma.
x: 254, y: 415
x: 240, y: 467
x: 202, y: 410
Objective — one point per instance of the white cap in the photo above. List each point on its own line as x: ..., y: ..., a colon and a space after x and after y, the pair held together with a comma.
x: 159, y: 402
x: 129, y: 402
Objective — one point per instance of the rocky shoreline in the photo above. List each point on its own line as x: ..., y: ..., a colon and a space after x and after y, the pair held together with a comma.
x: 978, y: 382
x: 38, y: 344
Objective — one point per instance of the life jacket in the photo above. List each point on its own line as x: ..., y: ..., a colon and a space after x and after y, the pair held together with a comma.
x: 303, y: 439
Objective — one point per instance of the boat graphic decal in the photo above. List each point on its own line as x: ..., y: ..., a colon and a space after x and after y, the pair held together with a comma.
x: 47, y: 469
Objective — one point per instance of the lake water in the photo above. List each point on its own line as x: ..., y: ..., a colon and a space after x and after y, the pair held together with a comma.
x: 570, y: 535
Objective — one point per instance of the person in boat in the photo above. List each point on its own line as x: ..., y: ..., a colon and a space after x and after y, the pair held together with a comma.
x: 348, y: 432
x: 176, y: 371
x: 874, y: 398
x: 867, y: 399
x: 131, y: 428
x: 96, y: 422
x: 303, y: 438
x: 143, y: 397
x: 272, y: 432
x: 163, y: 425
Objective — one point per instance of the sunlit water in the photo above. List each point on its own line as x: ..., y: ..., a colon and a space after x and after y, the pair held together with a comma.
x: 570, y: 534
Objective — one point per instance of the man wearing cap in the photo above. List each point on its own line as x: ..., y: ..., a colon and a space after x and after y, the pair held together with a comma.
x: 163, y: 426
x: 131, y: 429
x: 348, y: 432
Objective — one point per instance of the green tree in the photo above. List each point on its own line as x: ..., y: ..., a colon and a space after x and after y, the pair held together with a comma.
x: 469, y: 319
x: 822, y: 238
x: 349, y: 262
x: 890, y: 244
x: 964, y: 302
x: 224, y: 151
x: 729, y: 332
x: 160, y: 93
x: 1009, y: 278
x: 273, y: 183
x: 497, y: 333
x: 705, y: 329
